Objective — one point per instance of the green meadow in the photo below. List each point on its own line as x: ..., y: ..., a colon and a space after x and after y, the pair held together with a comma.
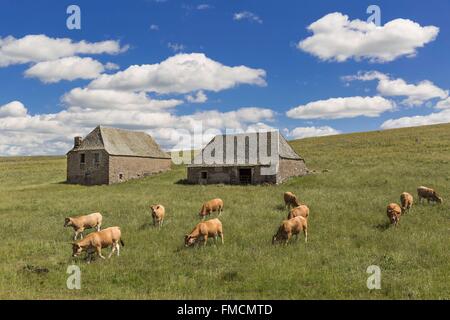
x: 355, y: 177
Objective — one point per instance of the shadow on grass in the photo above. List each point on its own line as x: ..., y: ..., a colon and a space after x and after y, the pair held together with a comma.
x: 280, y: 207
x: 383, y: 226
x: 183, y: 182
x: 147, y: 225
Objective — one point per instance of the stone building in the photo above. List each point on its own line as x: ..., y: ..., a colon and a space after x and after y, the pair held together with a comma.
x: 249, y: 158
x: 110, y: 155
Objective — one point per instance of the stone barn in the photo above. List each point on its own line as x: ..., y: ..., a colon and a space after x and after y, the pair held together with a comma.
x: 110, y: 155
x: 249, y: 158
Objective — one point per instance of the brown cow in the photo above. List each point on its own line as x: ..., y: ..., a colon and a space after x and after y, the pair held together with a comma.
x: 301, y: 210
x: 211, y: 206
x: 429, y: 194
x: 158, y: 213
x: 290, y: 200
x: 94, y: 242
x: 291, y: 227
x: 203, y: 230
x: 394, y: 212
x: 81, y: 223
x: 406, y: 200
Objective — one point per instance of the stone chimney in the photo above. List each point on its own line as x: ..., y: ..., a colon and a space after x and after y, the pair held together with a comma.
x: 77, y: 141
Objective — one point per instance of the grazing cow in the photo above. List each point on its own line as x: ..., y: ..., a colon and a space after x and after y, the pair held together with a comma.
x: 94, y: 242
x: 406, y: 200
x: 394, y: 212
x: 81, y: 223
x: 301, y: 210
x: 290, y: 200
x: 203, y: 230
x: 429, y: 194
x: 291, y: 227
x: 158, y: 213
x: 211, y: 206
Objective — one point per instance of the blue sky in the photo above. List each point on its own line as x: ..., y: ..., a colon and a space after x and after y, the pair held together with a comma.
x: 410, y: 58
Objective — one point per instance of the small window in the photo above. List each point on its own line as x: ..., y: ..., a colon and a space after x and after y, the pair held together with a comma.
x: 120, y: 176
x: 82, y: 158
x: 204, y: 175
x: 96, y: 159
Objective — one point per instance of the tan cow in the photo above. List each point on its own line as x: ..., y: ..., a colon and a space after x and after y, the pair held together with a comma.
x: 394, y: 212
x: 211, y: 206
x: 203, y: 230
x: 158, y: 213
x: 406, y: 201
x: 301, y: 210
x: 290, y: 200
x: 429, y: 194
x: 94, y: 242
x: 291, y: 227
x: 80, y: 223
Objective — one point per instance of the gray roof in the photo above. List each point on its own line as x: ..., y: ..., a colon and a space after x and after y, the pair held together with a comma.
x: 120, y: 142
x: 281, y: 148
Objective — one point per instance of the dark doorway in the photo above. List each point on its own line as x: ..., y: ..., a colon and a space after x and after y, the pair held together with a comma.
x: 245, y: 176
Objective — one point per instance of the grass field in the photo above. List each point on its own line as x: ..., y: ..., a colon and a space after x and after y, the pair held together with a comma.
x: 348, y: 228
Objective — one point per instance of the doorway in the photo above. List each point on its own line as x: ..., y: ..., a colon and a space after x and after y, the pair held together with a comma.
x: 245, y: 176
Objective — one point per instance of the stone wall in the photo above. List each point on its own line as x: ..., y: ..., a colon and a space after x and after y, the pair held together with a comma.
x: 291, y: 168
x: 226, y: 175
x: 89, y: 173
x: 123, y: 168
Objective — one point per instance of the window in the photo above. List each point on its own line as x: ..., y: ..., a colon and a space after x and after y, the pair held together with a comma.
x: 82, y: 158
x: 204, y: 175
x: 120, y: 176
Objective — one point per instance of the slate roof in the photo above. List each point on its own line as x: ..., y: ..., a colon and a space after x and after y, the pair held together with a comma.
x: 120, y: 142
x: 282, y: 149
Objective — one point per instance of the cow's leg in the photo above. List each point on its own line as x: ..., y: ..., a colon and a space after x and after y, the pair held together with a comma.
x: 75, y: 236
x: 113, y: 248
x: 98, y: 227
x: 99, y: 252
x: 305, y: 232
x: 205, y: 238
x: 118, y: 249
x: 289, y: 235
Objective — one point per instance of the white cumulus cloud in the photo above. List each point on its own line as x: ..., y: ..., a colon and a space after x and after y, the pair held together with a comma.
x: 115, y: 100
x: 420, y: 120
x: 337, y: 108
x: 199, y: 97
x: 38, y: 48
x: 416, y: 94
x: 306, y: 132
x: 337, y: 38
x: 70, y: 68
x: 182, y: 73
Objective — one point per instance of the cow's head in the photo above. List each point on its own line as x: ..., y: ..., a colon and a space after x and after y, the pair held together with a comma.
x: 189, y: 240
x: 437, y: 198
x: 76, y: 249
x: 154, y: 208
x: 67, y: 222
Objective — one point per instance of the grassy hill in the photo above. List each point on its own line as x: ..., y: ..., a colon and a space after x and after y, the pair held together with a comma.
x: 348, y: 228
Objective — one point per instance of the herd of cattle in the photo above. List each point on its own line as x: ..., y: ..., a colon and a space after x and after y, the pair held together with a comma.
x: 296, y: 222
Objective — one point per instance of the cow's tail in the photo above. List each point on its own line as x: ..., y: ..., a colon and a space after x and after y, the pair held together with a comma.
x: 122, y: 243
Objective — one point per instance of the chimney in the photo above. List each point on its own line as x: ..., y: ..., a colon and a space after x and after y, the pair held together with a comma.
x: 77, y: 141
